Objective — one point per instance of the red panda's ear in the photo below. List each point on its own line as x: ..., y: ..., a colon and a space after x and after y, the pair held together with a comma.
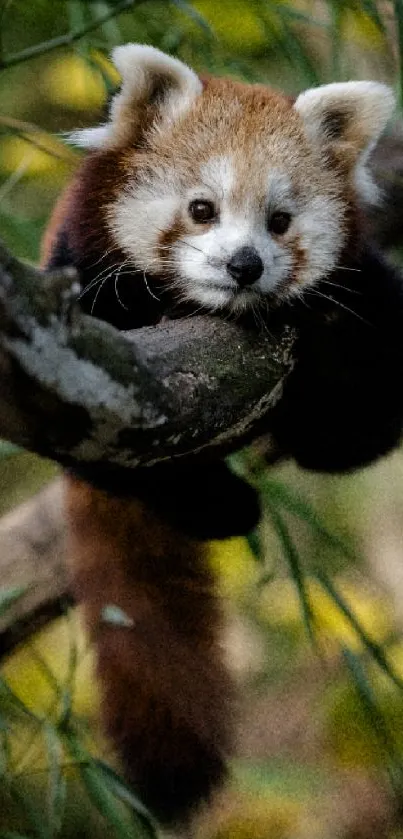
x: 352, y: 112
x: 349, y: 118
x: 155, y: 88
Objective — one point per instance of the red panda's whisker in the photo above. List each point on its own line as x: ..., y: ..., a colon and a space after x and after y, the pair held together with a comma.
x: 117, y: 277
x: 101, y: 281
x: 98, y: 278
x: 190, y: 245
x: 151, y: 293
x: 103, y: 256
x: 260, y: 321
x: 89, y: 287
x: 344, y: 288
x: 314, y: 291
x: 97, y: 294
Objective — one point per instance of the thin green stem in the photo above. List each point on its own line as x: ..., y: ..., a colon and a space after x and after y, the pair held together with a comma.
x: 68, y: 39
x: 297, y: 572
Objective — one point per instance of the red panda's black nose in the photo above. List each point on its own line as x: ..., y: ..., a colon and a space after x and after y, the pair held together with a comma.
x: 245, y: 266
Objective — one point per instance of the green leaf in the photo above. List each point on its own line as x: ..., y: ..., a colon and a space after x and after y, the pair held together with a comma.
x: 280, y: 30
x: 111, y: 28
x: 254, y: 542
x: 5, y: 746
x: 46, y: 670
x: 105, y: 802
x: 30, y: 809
x: 374, y: 649
x: 9, y: 596
x: 370, y: 8
x: 282, y: 496
x: 21, y: 235
x: 376, y: 719
x: 98, y: 786
x: 56, y: 792
x: 125, y: 794
x: 299, y: 16
x: 7, y: 448
x: 7, y: 695
x: 297, y: 573
x: 190, y: 11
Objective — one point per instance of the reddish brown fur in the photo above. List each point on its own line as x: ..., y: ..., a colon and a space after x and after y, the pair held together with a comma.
x: 167, y: 698
x: 300, y: 259
x: 170, y: 236
x: 82, y: 207
x: 166, y: 695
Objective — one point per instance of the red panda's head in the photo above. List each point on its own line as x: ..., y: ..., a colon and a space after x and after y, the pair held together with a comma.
x: 229, y: 193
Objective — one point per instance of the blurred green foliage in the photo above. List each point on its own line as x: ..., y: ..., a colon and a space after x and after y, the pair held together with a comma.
x: 55, y: 76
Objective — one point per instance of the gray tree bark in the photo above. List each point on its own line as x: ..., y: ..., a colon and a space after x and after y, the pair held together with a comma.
x: 78, y: 391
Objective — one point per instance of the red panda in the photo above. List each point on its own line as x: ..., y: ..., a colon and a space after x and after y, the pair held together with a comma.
x: 225, y: 197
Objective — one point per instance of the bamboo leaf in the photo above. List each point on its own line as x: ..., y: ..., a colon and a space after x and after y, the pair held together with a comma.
x: 254, y: 541
x: 8, y: 448
x: 46, y: 670
x: 292, y: 556
x: 191, y: 12
x: 125, y: 794
x: 9, y: 596
x: 281, y: 495
x: 281, y: 31
x: 29, y: 809
x: 299, y: 16
x: 370, y: 8
x: 376, y: 718
x: 13, y: 701
x: 374, y: 649
x: 56, y: 793
x: 99, y: 789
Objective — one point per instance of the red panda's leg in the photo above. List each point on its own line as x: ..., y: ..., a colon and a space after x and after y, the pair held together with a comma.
x: 166, y: 695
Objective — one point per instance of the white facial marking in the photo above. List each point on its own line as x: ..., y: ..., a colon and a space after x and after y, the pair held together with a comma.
x: 197, y: 258
x: 203, y: 257
x: 139, y: 218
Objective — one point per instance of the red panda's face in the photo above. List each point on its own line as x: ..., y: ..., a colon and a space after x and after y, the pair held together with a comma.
x: 227, y: 211
x: 233, y: 194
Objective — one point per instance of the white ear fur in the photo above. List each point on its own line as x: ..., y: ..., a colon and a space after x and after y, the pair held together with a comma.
x: 365, y: 108
x: 149, y: 76
x: 352, y: 113
x: 89, y: 138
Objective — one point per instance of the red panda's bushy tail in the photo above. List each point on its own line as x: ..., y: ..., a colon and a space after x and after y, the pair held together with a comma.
x: 166, y: 696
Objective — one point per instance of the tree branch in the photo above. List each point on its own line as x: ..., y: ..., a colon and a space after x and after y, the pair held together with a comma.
x: 76, y: 390
x: 33, y: 556
x: 69, y: 38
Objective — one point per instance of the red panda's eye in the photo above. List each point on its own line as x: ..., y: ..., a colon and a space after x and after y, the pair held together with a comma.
x: 279, y: 223
x: 202, y: 211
